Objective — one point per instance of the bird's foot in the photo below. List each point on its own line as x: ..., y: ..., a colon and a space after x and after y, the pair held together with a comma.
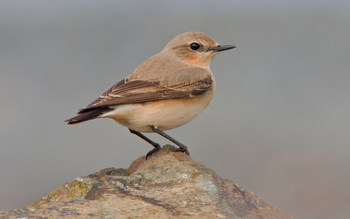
x: 181, y: 148
x: 156, y: 148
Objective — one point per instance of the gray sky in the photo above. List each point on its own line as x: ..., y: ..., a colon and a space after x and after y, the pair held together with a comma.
x: 278, y: 124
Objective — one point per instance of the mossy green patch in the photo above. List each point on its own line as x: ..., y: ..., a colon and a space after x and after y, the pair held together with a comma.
x: 78, y: 188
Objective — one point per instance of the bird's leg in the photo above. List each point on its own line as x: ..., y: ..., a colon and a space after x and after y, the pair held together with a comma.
x: 154, y: 144
x: 181, y: 148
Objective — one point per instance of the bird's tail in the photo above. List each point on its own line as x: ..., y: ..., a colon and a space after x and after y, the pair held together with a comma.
x: 89, y: 115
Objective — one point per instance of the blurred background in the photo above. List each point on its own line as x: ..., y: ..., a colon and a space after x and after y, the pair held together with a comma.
x: 278, y: 125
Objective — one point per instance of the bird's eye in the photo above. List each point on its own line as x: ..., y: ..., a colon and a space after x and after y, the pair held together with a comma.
x: 194, y: 46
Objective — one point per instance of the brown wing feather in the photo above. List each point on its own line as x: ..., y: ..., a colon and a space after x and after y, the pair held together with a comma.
x: 139, y: 91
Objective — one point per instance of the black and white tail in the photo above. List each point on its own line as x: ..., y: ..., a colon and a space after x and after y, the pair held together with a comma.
x: 85, y: 115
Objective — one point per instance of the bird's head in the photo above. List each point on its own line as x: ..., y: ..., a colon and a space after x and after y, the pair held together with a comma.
x: 195, y: 48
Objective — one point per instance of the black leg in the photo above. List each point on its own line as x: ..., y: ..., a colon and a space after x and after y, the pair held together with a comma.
x: 154, y: 144
x: 181, y: 148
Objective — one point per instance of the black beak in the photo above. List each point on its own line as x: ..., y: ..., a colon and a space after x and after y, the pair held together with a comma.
x: 220, y: 48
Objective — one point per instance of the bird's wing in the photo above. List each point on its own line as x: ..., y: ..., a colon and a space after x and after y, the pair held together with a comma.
x: 188, y: 82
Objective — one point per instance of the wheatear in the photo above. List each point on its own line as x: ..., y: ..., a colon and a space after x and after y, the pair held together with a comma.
x: 166, y: 91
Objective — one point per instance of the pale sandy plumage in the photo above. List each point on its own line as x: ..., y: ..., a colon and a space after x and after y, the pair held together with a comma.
x: 164, y: 92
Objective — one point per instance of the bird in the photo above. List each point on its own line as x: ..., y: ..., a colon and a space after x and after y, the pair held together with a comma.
x: 164, y: 92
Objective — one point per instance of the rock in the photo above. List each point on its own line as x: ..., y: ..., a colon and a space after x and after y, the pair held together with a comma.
x: 166, y: 185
